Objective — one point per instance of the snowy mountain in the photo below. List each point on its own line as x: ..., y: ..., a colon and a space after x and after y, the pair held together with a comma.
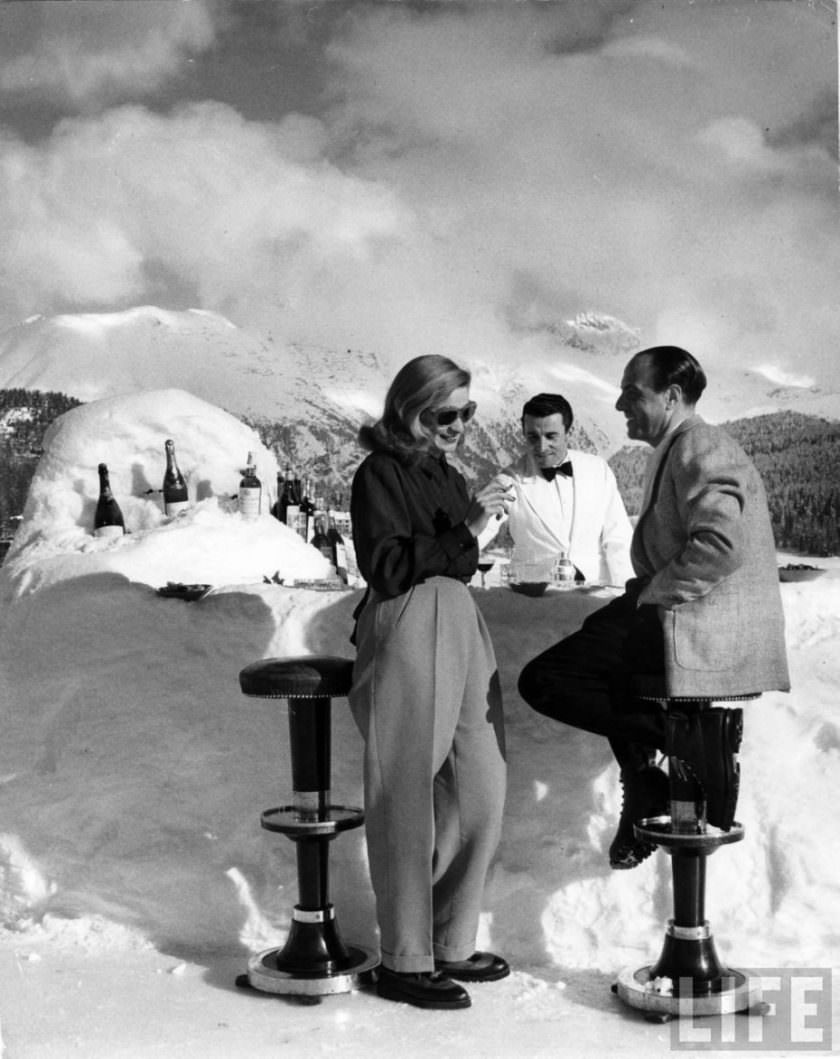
x: 322, y: 395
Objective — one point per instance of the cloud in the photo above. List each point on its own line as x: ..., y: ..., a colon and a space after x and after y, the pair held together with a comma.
x: 780, y: 377
x: 742, y: 143
x: 815, y: 124
x: 648, y: 48
x: 466, y: 178
x: 84, y: 53
x: 606, y: 180
x: 209, y: 198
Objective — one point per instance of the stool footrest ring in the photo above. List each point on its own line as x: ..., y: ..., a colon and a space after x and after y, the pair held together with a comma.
x: 659, y: 831
x: 289, y: 820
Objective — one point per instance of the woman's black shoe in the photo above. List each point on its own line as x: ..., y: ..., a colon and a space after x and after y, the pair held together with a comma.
x: 480, y: 967
x: 423, y: 989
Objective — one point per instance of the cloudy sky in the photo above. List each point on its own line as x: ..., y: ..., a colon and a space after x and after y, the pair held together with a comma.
x: 405, y: 177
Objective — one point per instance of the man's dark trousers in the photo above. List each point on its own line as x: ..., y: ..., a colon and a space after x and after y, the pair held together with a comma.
x: 585, y: 680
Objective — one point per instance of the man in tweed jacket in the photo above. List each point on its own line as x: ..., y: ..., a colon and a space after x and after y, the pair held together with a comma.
x: 702, y: 618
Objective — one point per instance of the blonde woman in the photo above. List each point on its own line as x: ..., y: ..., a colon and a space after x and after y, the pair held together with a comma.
x: 425, y: 691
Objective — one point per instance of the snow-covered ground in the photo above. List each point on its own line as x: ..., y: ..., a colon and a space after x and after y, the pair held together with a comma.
x: 135, y: 878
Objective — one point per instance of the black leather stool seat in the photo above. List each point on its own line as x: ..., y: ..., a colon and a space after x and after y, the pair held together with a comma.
x: 305, y: 677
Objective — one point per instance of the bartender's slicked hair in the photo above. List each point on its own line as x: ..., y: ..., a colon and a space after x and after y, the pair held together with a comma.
x: 549, y: 404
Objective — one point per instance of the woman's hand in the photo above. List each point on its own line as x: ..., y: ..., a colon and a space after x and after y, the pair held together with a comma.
x: 492, y: 500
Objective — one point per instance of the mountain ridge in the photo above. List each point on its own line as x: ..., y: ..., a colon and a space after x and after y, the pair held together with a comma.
x: 90, y: 355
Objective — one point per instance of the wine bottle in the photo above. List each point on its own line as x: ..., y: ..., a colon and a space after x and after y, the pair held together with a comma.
x: 278, y: 508
x: 320, y: 540
x: 338, y: 550
x: 293, y: 507
x: 108, y: 520
x: 175, y: 496
x: 305, y: 521
x: 286, y: 499
x: 250, y: 490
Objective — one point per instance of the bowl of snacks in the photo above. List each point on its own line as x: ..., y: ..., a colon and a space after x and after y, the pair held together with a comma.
x: 800, y: 572
x: 529, y: 588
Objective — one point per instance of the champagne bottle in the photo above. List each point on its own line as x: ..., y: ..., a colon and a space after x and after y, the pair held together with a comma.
x: 108, y: 520
x: 250, y: 490
x: 175, y: 496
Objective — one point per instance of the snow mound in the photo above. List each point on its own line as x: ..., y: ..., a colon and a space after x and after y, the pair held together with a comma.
x: 210, y: 543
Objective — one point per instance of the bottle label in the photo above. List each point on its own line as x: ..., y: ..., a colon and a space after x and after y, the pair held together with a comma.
x: 174, y: 506
x: 249, y: 502
x: 292, y: 515
x: 109, y: 531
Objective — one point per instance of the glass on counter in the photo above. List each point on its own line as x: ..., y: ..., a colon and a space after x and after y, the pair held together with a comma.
x: 532, y: 577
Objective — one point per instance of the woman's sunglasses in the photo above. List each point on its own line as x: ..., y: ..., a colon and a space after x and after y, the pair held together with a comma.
x: 444, y: 417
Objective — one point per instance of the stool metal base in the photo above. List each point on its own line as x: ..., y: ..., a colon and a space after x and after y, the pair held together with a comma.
x: 267, y: 974
x: 733, y: 991
x: 314, y: 961
x: 688, y: 978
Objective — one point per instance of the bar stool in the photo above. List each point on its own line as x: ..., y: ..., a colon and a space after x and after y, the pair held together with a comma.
x: 688, y: 978
x: 314, y: 960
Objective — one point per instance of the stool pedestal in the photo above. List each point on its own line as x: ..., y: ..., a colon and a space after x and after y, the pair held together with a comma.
x: 688, y: 978
x: 314, y: 961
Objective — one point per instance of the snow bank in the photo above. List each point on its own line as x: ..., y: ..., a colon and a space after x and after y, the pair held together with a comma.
x: 202, y: 545
x: 132, y: 770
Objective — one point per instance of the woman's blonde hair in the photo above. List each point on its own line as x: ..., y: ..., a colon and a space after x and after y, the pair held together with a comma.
x: 420, y: 384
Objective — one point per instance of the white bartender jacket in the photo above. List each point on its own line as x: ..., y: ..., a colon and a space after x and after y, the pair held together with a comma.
x: 583, y: 515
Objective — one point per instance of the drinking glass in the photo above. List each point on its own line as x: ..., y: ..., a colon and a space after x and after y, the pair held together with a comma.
x: 485, y: 563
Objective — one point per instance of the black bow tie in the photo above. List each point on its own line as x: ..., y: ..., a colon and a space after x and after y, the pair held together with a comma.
x: 550, y: 473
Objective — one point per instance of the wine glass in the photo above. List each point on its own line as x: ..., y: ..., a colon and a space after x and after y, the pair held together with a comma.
x: 485, y: 563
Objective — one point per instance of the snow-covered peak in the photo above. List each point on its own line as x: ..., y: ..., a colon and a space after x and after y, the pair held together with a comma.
x: 328, y: 392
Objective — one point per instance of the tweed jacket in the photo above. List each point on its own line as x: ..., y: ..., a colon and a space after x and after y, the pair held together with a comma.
x: 705, y: 543
x: 599, y: 541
